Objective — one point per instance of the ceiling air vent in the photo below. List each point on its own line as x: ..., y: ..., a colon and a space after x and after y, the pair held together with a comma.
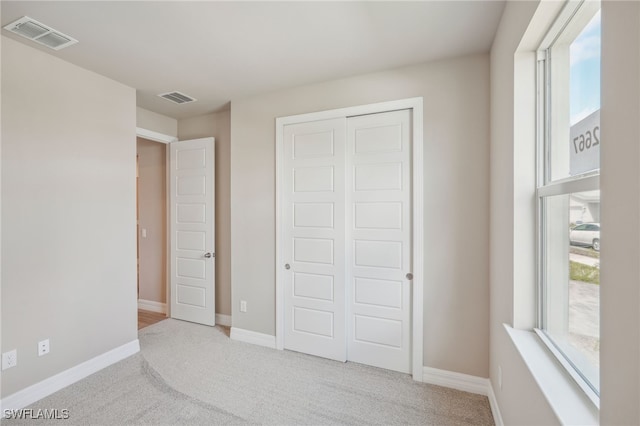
x: 40, y: 33
x: 177, y: 97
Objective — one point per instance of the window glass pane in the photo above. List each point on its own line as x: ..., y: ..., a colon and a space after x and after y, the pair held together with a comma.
x: 574, y: 131
x: 572, y: 279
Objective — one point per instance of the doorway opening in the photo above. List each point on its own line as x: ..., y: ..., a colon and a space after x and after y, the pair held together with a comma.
x: 151, y: 219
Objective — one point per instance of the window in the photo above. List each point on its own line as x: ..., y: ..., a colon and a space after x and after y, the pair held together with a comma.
x: 569, y: 192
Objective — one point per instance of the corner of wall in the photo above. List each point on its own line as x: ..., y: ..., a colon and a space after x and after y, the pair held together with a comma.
x: 512, y: 228
x: 155, y: 122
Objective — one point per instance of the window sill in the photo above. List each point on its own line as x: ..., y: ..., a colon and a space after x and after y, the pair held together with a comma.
x: 567, y: 400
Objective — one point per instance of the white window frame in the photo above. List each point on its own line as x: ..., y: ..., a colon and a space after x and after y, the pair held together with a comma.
x: 548, y: 188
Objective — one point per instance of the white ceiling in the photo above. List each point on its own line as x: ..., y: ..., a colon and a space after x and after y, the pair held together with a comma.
x: 221, y: 51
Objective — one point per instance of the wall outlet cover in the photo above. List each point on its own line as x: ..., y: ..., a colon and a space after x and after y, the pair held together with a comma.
x: 9, y: 359
x: 43, y: 347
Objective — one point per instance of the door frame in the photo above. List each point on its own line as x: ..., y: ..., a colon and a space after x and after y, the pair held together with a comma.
x: 417, y: 199
x: 165, y: 139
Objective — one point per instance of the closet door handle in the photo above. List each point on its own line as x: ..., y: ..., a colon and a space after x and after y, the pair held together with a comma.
x: 409, y: 276
x: 209, y: 255
x: 287, y: 266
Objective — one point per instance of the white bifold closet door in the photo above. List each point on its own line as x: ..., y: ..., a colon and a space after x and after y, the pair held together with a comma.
x: 347, y: 239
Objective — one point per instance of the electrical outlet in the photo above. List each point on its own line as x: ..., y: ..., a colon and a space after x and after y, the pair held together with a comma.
x: 43, y: 347
x: 243, y: 306
x: 9, y: 359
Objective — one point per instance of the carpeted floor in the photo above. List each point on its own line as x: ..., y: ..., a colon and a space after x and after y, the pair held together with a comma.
x: 188, y: 374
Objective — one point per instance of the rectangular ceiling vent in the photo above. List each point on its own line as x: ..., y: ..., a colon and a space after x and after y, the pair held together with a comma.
x: 177, y: 97
x: 40, y: 33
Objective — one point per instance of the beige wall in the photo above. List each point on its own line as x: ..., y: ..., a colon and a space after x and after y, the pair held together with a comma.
x: 68, y: 214
x: 152, y: 216
x: 456, y: 195
x: 155, y: 122
x: 218, y: 126
x: 520, y: 399
x: 0, y: 211
x: 620, y: 215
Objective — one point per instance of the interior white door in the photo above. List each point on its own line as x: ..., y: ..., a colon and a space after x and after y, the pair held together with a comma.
x: 313, y: 231
x: 192, y: 235
x: 379, y: 229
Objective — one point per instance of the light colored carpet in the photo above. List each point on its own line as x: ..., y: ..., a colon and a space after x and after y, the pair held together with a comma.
x: 192, y: 374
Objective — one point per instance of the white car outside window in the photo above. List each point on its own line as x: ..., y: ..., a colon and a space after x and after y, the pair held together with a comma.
x: 586, y: 234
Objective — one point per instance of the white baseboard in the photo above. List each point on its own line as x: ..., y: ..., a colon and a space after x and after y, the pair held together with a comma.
x: 68, y: 377
x: 253, y: 337
x: 495, y: 409
x: 460, y: 381
x: 150, y: 305
x: 222, y: 319
x: 467, y: 383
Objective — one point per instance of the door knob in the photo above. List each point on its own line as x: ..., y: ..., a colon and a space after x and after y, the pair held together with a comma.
x: 409, y: 276
x: 287, y: 266
x: 209, y: 255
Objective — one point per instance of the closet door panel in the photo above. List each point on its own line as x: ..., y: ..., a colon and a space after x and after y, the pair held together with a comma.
x: 313, y: 229
x: 378, y: 231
